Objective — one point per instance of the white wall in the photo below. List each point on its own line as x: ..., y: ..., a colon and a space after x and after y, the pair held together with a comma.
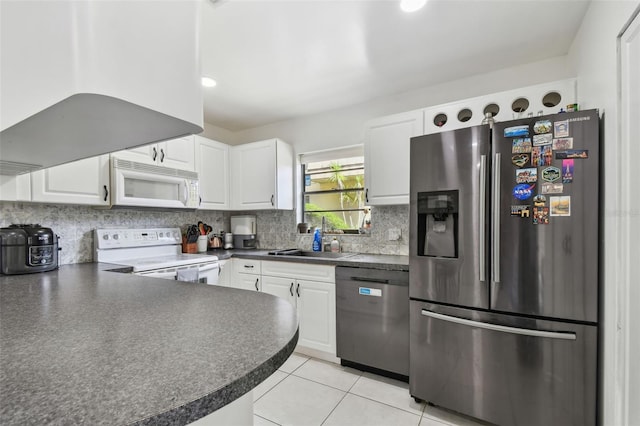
x: 593, y: 57
x: 346, y: 126
x: 218, y: 134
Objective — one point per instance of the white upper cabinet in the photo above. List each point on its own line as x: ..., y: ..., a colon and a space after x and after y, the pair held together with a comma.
x: 176, y: 153
x: 80, y: 182
x: 15, y: 188
x: 212, y: 165
x: 262, y: 176
x: 108, y: 80
x: 386, y: 150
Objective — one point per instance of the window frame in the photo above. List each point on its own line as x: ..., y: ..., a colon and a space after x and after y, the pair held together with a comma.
x: 304, y: 173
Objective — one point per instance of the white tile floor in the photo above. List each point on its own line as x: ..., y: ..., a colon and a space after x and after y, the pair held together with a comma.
x: 307, y: 391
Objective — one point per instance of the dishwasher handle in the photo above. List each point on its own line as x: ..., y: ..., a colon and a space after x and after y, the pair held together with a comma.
x: 370, y: 280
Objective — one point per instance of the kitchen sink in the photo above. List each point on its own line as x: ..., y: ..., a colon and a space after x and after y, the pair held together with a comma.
x: 309, y: 253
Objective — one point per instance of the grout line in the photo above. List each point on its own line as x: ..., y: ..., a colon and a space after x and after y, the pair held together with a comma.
x: 334, y: 408
x: 264, y: 418
x: 268, y: 390
x: 388, y: 405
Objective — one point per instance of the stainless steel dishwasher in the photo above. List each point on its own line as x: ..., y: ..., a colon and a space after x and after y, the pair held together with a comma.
x: 372, y: 319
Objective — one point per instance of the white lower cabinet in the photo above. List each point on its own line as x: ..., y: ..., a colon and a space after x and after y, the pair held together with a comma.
x: 317, y: 315
x: 312, y: 289
x: 225, y: 272
x: 248, y: 282
x: 246, y: 274
x: 281, y: 287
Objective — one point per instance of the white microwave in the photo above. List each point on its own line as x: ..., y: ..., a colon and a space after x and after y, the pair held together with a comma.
x: 146, y: 185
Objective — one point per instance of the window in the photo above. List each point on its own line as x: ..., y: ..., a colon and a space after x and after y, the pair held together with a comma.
x: 334, y: 188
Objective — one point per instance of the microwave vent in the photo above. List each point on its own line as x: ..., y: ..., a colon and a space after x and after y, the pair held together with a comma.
x: 149, y: 168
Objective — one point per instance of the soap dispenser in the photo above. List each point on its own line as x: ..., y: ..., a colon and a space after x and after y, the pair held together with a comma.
x: 335, y: 245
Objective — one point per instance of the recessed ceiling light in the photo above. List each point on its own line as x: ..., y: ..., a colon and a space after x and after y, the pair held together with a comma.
x: 208, y: 82
x: 412, y: 5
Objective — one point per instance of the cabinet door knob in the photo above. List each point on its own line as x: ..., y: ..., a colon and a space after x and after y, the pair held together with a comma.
x: 257, y: 281
x: 155, y: 154
x: 291, y: 288
x: 161, y: 155
x: 298, y: 289
x: 106, y: 193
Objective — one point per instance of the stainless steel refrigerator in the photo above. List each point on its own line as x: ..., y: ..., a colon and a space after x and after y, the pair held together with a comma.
x: 504, y: 270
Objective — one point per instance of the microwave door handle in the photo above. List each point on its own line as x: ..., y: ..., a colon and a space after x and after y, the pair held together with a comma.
x: 186, y: 192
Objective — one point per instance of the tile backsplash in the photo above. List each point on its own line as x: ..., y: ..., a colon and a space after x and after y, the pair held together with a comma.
x: 75, y: 224
x: 276, y: 229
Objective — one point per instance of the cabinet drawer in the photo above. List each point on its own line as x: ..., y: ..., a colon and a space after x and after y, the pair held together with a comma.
x: 247, y: 266
x: 299, y: 271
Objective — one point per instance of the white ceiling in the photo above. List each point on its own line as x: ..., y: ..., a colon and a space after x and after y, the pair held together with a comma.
x: 276, y: 60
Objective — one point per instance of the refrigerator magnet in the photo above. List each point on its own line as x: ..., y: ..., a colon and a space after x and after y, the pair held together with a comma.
x: 535, y: 156
x: 539, y: 201
x: 560, y: 206
x: 542, y: 126
x: 567, y: 171
x: 551, y: 174
x: 520, y: 211
x: 523, y: 191
x: 521, y: 146
x: 552, y: 188
x: 539, y: 140
x: 561, y: 129
x: 520, y: 160
x: 541, y: 215
x: 562, y: 143
x: 527, y: 175
x: 546, y: 155
x: 516, y: 131
x: 572, y: 153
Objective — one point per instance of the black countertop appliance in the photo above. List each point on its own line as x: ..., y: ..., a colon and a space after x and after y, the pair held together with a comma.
x: 27, y: 248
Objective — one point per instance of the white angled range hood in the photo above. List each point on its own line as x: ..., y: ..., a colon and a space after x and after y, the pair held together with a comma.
x: 86, y: 77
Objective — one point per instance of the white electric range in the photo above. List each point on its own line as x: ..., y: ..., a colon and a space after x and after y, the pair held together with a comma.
x: 154, y: 252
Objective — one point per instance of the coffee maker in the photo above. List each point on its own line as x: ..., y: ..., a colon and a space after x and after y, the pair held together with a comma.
x: 243, y: 229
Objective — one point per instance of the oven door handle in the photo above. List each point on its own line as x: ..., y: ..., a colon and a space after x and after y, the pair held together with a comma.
x: 209, y: 267
x: 171, y: 274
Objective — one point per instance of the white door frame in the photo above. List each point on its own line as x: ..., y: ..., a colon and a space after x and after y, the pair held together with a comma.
x: 622, y: 388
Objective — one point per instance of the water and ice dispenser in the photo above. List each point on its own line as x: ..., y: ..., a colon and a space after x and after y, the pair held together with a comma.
x: 438, y: 224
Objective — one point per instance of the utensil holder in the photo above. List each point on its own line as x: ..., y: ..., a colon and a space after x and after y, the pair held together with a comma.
x: 189, y: 247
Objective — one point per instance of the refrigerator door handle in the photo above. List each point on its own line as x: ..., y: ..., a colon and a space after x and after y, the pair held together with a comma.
x: 495, y: 212
x: 482, y: 254
x: 502, y: 328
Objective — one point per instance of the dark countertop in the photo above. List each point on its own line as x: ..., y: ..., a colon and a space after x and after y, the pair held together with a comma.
x: 84, y: 345
x: 358, y: 260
